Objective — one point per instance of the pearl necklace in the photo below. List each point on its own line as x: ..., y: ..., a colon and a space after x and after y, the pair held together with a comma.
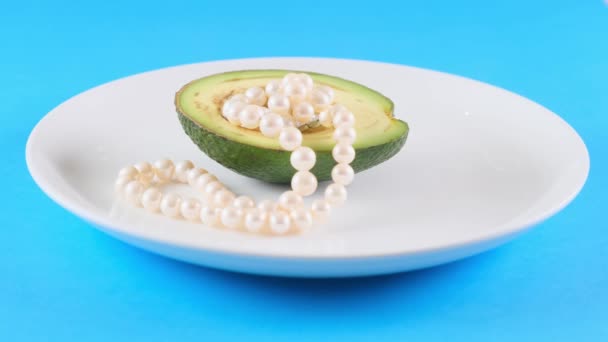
x: 291, y: 102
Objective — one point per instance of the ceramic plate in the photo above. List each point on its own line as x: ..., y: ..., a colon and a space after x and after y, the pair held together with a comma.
x: 480, y: 166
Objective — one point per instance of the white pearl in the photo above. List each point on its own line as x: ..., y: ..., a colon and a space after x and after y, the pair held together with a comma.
x: 254, y: 220
x: 223, y: 198
x: 146, y: 172
x: 335, y: 194
x: 211, y: 189
x: 273, y: 87
x: 267, y: 206
x: 164, y: 169
x: 304, y: 79
x: 303, y: 112
x: 129, y: 172
x: 290, y: 138
x: 343, y: 153
x: 232, y: 217
x: 271, y: 125
x: 256, y: 96
x: 344, y: 118
x: 345, y: 134
x: 301, y: 218
x: 336, y: 108
x: 201, y: 181
x: 133, y: 191
x: 303, y: 158
x: 151, y: 198
x: 342, y: 174
x: 243, y: 202
x: 190, y: 209
x: 326, y: 118
x: 296, y: 91
x: 304, y: 183
x: 320, y: 210
x: 119, y: 185
x: 327, y: 90
x: 279, y: 103
x: 210, y: 215
x: 289, y: 78
x: 279, y: 222
x: 170, y: 204
x: 231, y: 110
x: 193, y: 174
x: 181, y: 170
x: 320, y: 100
x: 290, y: 200
x: 238, y: 97
x: 250, y: 116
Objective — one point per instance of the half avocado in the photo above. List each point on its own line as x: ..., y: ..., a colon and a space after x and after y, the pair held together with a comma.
x: 379, y: 135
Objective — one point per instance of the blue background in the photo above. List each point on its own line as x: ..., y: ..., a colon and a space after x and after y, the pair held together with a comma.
x: 62, y: 280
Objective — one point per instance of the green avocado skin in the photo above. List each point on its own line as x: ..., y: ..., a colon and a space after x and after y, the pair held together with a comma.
x: 273, y: 166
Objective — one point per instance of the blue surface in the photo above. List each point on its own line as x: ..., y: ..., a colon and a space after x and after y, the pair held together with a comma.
x: 61, y: 280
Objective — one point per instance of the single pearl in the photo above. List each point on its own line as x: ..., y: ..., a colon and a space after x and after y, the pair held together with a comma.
x: 290, y: 138
x: 342, y: 174
x: 296, y: 91
x: 133, y: 191
x: 271, y: 125
x: 164, y: 169
x: 151, y: 198
x: 212, y: 188
x: 273, y: 87
x: 119, y: 185
x: 336, y: 108
x: 320, y: 100
x: 279, y: 222
x: 223, y: 198
x: 345, y: 134
x: 243, y: 202
x: 256, y: 96
x: 279, y: 103
x: 170, y: 204
x: 326, y: 118
x: 327, y: 90
x: 304, y: 79
x: 301, y: 218
x: 238, y: 98
x: 268, y: 206
x: 320, y: 210
x: 202, y: 181
x: 231, y: 110
x: 303, y: 158
x: 193, y: 174
x: 232, y: 217
x: 290, y: 200
x: 289, y: 78
x: 181, y: 170
x: 303, y: 112
x: 146, y: 172
x: 129, y: 172
x: 304, y: 183
x: 254, y: 220
x: 190, y: 209
x: 344, y: 118
x: 343, y: 153
x: 335, y: 194
x: 210, y: 215
x: 250, y: 116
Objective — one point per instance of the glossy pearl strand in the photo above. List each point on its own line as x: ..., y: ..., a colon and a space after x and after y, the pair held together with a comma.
x: 275, y: 110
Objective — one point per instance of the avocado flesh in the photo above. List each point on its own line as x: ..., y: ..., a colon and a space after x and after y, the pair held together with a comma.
x: 248, y: 152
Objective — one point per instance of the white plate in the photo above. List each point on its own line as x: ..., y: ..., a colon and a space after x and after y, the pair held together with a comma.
x: 480, y: 166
